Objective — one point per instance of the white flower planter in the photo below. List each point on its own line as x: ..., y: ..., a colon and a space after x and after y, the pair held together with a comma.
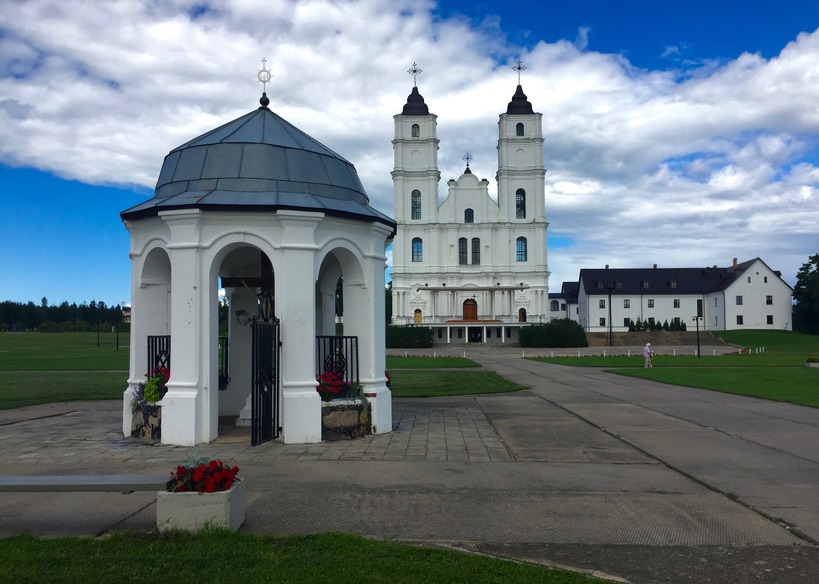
x: 193, y: 511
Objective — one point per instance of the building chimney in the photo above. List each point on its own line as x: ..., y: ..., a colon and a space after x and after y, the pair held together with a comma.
x: 655, y: 266
x: 607, y: 266
x: 735, y: 264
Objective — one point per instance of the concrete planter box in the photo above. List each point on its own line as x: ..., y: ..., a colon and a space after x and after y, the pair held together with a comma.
x: 809, y: 364
x: 193, y: 511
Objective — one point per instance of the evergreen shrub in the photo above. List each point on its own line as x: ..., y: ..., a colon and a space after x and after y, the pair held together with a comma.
x: 409, y: 337
x: 563, y: 333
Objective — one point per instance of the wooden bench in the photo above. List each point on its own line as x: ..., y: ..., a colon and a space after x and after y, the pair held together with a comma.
x: 125, y: 484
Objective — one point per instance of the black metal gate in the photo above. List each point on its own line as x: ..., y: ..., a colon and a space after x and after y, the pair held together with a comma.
x: 265, y: 393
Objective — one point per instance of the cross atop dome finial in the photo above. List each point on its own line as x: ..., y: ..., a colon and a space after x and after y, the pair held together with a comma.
x: 468, y: 158
x: 414, y: 71
x: 264, y: 76
x: 519, y: 67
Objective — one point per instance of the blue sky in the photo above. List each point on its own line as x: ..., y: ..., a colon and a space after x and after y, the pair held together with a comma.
x: 680, y: 134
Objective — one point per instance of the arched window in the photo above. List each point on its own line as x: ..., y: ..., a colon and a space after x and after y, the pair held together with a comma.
x: 462, y: 259
x: 417, y: 250
x: 520, y: 204
x: 469, y: 216
x: 519, y: 129
x: 520, y: 249
x: 416, y: 204
x: 416, y: 130
x: 476, y: 250
x: 554, y: 306
x: 522, y: 315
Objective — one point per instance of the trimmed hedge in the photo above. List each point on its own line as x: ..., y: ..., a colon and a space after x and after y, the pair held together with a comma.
x: 557, y: 333
x: 409, y: 337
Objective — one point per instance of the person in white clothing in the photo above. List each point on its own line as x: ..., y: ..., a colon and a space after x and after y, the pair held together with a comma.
x: 648, y: 354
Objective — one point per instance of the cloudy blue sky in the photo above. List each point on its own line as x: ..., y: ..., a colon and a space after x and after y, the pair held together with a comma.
x: 681, y: 134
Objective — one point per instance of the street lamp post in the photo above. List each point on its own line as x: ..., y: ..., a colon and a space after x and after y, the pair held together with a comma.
x: 611, y: 289
x: 697, y: 320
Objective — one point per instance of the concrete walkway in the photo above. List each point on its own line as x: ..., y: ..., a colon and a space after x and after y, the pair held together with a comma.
x: 639, y: 480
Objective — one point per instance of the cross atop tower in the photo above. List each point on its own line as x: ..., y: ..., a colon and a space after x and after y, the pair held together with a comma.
x: 414, y: 71
x: 519, y: 66
x: 468, y: 158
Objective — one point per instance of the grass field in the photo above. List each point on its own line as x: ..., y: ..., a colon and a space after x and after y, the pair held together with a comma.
x: 63, y: 352
x: 39, y: 368
x: 217, y: 556
x: 429, y: 363
x: 777, y: 373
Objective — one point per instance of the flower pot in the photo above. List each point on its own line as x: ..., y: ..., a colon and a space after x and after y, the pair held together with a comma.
x: 191, y: 511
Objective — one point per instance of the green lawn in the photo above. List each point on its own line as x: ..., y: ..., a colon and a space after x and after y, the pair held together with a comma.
x: 435, y: 383
x: 226, y: 557
x: 39, y: 368
x: 777, y: 373
x: 429, y: 362
x: 63, y: 352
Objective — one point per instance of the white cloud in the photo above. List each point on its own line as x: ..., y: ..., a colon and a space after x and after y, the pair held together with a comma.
x: 677, y: 168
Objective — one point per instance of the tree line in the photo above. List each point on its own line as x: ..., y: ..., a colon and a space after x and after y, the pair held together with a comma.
x: 65, y: 317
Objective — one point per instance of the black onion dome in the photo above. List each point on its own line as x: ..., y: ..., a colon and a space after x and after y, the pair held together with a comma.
x: 519, y: 104
x: 258, y: 162
x: 415, y: 105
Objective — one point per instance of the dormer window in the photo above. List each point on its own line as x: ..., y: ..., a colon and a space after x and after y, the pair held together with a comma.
x: 416, y: 130
x: 672, y: 283
x: 599, y: 284
x: 519, y: 129
x: 646, y: 284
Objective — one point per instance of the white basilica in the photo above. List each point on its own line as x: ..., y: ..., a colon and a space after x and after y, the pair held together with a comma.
x: 473, y: 269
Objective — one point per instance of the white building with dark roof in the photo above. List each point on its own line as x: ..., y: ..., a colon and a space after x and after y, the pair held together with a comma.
x: 472, y: 268
x: 747, y: 295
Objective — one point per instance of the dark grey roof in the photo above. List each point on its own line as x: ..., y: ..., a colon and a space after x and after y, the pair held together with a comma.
x: 662, y: 280
x: 415, y: 105
x: 519, y: 104
x: 569, y: 291
x: 258, y: 162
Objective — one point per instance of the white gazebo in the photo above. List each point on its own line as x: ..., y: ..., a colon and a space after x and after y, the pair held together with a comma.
x: 258, y: 208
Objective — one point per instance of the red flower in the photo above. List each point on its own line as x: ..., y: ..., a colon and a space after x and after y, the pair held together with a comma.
x: 204, y: 478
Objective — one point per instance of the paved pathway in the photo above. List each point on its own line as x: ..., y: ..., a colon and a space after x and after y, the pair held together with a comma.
x: 645, y: 481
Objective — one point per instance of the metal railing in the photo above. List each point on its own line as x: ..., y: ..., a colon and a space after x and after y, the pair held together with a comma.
x: 339, y: 354
x: 159, y: 352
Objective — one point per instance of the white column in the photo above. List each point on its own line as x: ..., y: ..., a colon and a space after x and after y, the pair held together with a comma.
x: 186, y: 410
x: 295, y: 299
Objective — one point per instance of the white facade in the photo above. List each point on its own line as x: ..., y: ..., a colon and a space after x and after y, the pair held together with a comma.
x: 749, y: 295
x: 473, y: 268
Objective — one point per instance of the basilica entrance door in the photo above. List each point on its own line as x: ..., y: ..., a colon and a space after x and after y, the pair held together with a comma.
x: 470, y: 309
